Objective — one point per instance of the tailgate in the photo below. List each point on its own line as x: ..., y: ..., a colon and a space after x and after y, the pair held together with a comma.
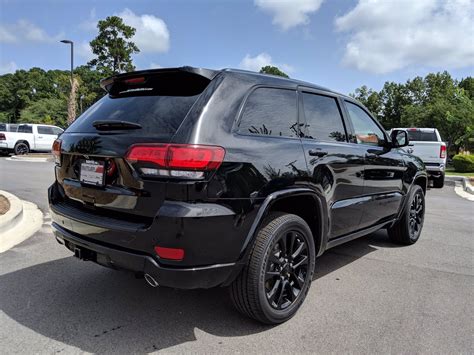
x: 141, y: 107
x: 428, y: 152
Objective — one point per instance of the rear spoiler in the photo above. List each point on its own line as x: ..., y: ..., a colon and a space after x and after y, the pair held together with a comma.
x: 107, y: 83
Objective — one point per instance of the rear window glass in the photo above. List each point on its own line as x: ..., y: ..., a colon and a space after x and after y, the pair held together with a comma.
x: 3, y: 127
x: 422, y: 136
x: 270, y: 112
x: 159, y: 105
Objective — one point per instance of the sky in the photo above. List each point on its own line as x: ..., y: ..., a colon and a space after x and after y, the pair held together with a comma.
x: 339, y: 44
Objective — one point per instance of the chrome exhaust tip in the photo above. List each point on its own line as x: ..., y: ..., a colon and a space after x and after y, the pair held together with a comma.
x: 151, y: 280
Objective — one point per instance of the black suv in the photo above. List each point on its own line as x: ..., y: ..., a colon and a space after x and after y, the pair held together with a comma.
x: 195, y: 178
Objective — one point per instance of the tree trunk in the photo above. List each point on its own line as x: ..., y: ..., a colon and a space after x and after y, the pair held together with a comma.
x: 71, y: 106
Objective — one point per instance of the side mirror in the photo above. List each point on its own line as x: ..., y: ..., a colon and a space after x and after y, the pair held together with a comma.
x: 399, y: 138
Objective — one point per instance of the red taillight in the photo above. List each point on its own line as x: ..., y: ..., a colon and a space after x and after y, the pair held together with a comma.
x: 170, y: 253
x: 173, y: 159
x: 56, y: 150
x: 442, y: 152
x: 2, y: 137
x: 138, y: 80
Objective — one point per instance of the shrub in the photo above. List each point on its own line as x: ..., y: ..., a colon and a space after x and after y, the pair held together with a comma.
x: 464, y: 163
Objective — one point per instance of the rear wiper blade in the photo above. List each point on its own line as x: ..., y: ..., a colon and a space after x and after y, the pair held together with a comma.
x: 115, y: 125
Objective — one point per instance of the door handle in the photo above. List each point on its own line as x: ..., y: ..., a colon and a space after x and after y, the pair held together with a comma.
x: 317, y: 153
x: 40, y: 136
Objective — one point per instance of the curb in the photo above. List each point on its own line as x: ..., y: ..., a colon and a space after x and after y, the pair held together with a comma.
x: 22, y: 220
x: 30, y: 159
x: 466, y: 185
x: 13, y: 215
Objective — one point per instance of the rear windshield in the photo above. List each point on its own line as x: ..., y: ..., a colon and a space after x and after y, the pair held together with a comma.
x: 159, y: 104
x: 423, y: 136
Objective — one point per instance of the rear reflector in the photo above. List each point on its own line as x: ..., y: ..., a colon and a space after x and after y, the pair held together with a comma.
x: 171, y: 158
x: 56, y: 150
x: 442, y: 152
x: 2, y: 137
x: 170, y: 253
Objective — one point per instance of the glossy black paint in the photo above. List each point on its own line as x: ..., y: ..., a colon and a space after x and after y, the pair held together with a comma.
x: 354, y: 188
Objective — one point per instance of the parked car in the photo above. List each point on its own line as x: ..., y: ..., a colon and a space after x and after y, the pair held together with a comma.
x: 22, y: 138
x: 195, y: 178
x: 426, y: 143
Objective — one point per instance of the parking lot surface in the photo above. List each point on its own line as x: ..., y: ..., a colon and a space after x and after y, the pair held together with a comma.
x: 368, y: 296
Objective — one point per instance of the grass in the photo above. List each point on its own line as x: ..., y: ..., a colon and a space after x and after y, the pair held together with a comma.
x: 451, y: 171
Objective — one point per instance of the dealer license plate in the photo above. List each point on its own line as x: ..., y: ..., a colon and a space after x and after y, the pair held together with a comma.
x: 93, y: 172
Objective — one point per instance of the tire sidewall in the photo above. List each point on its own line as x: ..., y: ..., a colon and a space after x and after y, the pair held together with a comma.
x: 414, y: 190
x: 276, y: 316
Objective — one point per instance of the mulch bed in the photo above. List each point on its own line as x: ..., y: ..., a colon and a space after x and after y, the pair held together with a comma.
x: 4, y: 205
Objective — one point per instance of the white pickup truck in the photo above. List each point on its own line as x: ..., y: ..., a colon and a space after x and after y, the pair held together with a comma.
x: 23, y: 138
x: 426, y: 143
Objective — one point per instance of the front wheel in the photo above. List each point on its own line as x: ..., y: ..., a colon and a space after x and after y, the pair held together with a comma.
x: 274, y: 283
x: 408, y: 228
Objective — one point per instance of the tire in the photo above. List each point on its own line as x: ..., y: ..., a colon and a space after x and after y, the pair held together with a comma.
x: 438, y: 183
x: 272, y: 286
x: 408, y: 228
x: 21, y: 148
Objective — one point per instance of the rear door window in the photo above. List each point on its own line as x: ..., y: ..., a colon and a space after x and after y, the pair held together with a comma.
x: 158, y: 103
x: 271, y: 112
x: 24, y: 128
x: 323, y: 118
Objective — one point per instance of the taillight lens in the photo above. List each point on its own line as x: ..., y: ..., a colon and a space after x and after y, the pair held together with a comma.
x: 2, y: 137
x: 176, y: 160
x: 442, y: 152
x: 56, y: 150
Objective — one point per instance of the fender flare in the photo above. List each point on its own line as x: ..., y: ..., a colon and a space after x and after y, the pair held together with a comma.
x: 277, y: 196
x: 404, y: 203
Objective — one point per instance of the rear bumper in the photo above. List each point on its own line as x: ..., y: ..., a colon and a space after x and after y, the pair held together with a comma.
x: 184, y: 278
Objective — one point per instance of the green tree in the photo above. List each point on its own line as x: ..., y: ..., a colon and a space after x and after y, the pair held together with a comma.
x: 468, y: 85
x: 113, y: 47
x: 49, y: 111
x: 273, y: 70
x: 370, y: 99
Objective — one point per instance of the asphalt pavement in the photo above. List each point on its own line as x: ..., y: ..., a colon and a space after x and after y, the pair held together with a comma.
x: 368, y: 296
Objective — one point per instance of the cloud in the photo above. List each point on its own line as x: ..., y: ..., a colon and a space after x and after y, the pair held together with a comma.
x: 84, y: 50
x: 385, y: 36
x: 91, y: 23
x: 151, y: 34
x: 9, y: 67
x: 256, y: 63
x: 25, y: 31
x: 289, y: 13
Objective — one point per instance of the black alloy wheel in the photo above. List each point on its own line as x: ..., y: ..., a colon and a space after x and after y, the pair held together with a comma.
x: 407, y: 229
x: 287, y: 270
x: 275, y: 281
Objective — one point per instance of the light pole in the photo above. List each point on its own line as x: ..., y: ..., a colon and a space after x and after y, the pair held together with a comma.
x: 66, y: 41
x: 80, y: 100
x: 71, y: 107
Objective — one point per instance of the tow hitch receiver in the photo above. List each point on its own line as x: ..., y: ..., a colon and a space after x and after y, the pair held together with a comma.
x: 84, y: 254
